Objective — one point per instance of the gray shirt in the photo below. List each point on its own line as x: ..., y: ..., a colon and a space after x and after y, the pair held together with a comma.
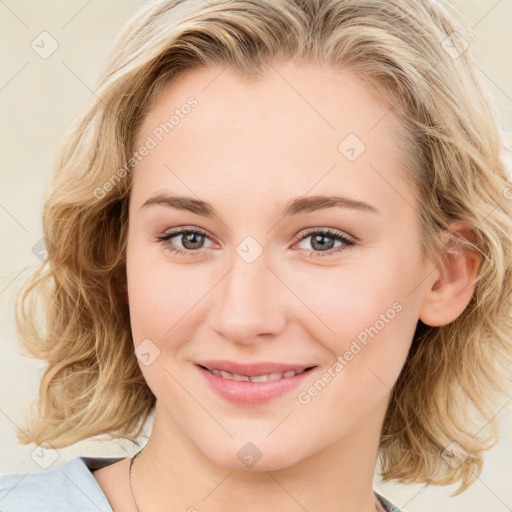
x: 70, y: 487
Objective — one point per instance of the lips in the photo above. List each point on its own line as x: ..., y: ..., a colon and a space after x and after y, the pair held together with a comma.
x: 253, y: 369
x: 254, y: 390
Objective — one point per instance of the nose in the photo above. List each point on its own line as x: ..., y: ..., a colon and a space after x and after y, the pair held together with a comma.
x: 249, y: 302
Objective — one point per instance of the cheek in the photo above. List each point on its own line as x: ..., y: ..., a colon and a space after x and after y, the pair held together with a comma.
x: 160, y: 293
x: 352, y: 297
x: 364, y: 312
x: 157, y: 301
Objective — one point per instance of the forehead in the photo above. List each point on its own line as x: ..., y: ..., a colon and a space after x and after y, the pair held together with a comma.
x: 299, y: 127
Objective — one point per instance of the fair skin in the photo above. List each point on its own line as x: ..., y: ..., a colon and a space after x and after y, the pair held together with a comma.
x: 248, y: 149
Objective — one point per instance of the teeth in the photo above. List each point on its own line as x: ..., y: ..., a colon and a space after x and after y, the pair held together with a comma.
x: 258, y: 378
x: 265, y: 378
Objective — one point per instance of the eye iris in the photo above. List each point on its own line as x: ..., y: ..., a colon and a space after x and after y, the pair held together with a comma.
x: 192, y: 238
x: 320, y: 239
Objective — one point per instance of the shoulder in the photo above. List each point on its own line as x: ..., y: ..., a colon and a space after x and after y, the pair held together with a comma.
x: 69, y: 486
x: 387, y: 504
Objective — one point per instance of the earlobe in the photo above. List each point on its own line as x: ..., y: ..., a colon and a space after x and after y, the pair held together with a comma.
x: 452, y: 284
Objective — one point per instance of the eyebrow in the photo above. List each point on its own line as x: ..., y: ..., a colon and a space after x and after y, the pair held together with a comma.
x: 296, y: 206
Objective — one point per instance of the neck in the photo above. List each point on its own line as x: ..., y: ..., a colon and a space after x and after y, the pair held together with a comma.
x: 171, y: 470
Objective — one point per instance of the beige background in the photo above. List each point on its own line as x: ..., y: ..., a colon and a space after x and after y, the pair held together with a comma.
x: 40, y: 97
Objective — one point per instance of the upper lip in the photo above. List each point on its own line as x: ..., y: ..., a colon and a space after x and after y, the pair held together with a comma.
x: 253, y: 369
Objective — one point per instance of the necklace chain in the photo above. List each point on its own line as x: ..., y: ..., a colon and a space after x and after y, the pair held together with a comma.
x: 378, y: 505
x: 130, y: 479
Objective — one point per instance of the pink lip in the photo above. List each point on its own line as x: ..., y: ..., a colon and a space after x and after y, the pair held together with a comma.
x: 252, y: 393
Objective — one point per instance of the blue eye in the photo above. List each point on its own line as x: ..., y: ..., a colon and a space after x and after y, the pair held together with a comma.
x: 192, y: 240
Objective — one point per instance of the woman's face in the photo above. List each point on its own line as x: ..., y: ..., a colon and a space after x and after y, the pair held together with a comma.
x: 260, y: 282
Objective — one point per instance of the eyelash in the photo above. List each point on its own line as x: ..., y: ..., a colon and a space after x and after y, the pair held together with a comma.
x: 336, y: 235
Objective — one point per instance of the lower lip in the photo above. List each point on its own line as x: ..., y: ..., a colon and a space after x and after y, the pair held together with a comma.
x: 252, y: 393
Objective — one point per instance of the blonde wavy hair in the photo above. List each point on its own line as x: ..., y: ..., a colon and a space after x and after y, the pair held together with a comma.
x: 456, y: 376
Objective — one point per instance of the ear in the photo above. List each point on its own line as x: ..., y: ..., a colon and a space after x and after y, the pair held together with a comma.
x: 451, y: 286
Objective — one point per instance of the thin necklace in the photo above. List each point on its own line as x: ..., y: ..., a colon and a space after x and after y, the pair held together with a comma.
x: 130, y: 479
x: 377, y: 504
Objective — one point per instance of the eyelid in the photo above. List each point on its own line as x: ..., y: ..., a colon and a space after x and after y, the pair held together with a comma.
x: 181, y: 230
x: 329, y: 231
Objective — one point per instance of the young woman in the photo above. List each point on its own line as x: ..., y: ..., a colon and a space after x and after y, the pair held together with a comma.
x: 283, y: 228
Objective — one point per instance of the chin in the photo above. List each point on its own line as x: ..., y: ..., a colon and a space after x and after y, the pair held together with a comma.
x: 260, y: 455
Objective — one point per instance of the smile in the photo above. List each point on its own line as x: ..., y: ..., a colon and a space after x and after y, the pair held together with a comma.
x: 258, y: 378
x: 253, y: 390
